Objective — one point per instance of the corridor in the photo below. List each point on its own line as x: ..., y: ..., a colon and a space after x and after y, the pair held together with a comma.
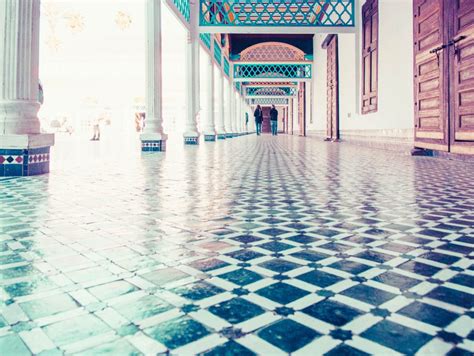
x: 255, y: 245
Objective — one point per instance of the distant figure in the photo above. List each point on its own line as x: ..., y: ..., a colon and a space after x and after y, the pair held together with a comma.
x: 40, y: 93
x: 96, y: 127
x: 274, y: 120
x: 139, y: 121
x: 258, y: 114
x: 246, y: 121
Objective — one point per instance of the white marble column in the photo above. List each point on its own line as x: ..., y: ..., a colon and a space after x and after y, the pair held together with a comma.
x: 191, y: 135
x: 153, y: 137
x: 239, y: 114
x: 19, y: 88
x: 227, y: 108
x: 231, y: 109
x: 209, y: 130
x: 220, y: 126
x: 234, y: 111
x: 242, y: 113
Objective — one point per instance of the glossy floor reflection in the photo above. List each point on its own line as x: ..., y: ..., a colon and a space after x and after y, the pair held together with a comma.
x: 245, y: 246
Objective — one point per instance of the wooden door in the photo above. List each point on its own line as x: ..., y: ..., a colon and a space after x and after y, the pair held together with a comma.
x: 444, y: 75
x: 266, y: 120
x: 370, y: 36
x: 332, y: 88
x: 461, y: 53
x: 430, y: 75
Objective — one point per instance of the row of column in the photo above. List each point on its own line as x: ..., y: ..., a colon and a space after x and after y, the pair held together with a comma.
x: 225, y: 107
x: 24, y: 150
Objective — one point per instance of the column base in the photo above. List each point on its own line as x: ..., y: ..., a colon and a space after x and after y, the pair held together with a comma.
x: 25, y: 155
x: 209, y: 137
x: 153, y: 142
x: 154, y: 146
x: 191, y: 140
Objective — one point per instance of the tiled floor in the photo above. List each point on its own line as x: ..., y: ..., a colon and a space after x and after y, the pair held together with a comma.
x: 251, y: 245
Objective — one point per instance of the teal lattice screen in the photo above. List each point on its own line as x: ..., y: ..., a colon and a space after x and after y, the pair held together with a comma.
x: 217, y: 52
x: 206, y: 39
x: 269, y: 101
x: 280, y: 71
x: 183, y: 8
x: 226, y: 67
x: 237, y: 86
x: 306, y: 13
x: 271, y: 91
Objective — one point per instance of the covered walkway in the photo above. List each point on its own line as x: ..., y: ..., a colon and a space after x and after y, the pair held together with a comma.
x: 292, y: 245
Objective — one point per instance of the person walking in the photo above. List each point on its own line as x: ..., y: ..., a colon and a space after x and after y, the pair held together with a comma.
x: 274, y: 120
x: 258, y: 114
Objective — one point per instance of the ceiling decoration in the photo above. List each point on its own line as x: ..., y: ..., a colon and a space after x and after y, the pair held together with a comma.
x: 123, y: 20
x: 75, y: 22
x: 272, y: 52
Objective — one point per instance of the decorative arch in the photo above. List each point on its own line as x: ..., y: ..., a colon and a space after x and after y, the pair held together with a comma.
x: 272, y: 52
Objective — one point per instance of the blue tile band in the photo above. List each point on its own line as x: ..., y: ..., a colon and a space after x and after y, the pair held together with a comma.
x: 24, y: 162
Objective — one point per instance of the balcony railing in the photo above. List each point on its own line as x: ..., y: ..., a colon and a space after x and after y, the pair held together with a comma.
x: 267, y: 101
x: 217, y: 53
x: 206, y: 39
x: 272, y: 71
x: 304, y: 13
x: 271, y: 91
x: 226, y: 67
x: 183, y: 8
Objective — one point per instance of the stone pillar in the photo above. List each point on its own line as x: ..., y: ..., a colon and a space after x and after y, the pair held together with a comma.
x: 220, y: 126
x: 153, y: 138
x: 242, y: 113
x: 231, y: 109
x: 233, y: 93
x: 239, y: 114
x: 209, y: 128
x: 24, y: 151
x: 191, y: 135
x: 227, y: 108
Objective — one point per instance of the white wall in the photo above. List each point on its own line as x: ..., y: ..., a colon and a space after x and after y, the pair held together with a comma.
x: 395, y: 115
x: 319, y: 85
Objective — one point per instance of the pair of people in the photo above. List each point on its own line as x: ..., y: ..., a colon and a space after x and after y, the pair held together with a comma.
x: 258, y: 114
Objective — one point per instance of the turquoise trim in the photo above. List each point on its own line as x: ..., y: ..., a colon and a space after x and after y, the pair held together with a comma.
x: 271, y: 91
x: 217, y: 52
x: 226, y: 67
x: 183, y: 8
x: 269, y: 101
x: 206, y: 39
x: 274, y: 70
x: 281, y: 13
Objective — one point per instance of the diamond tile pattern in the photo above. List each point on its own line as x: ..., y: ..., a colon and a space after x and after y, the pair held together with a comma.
x: 244, y: 246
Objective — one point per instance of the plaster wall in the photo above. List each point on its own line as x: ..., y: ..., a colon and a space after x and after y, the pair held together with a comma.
x: 394, y: 117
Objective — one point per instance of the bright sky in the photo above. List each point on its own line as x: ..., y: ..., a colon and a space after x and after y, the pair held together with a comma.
x: 94, y: 51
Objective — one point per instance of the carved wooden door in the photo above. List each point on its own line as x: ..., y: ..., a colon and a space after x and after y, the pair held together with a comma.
x: 461, y: 54
x: 444, y: 75
x: 332, y: 88
x: 430, y: 75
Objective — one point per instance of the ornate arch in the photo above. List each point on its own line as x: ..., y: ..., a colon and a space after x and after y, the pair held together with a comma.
x: 271, y: 52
